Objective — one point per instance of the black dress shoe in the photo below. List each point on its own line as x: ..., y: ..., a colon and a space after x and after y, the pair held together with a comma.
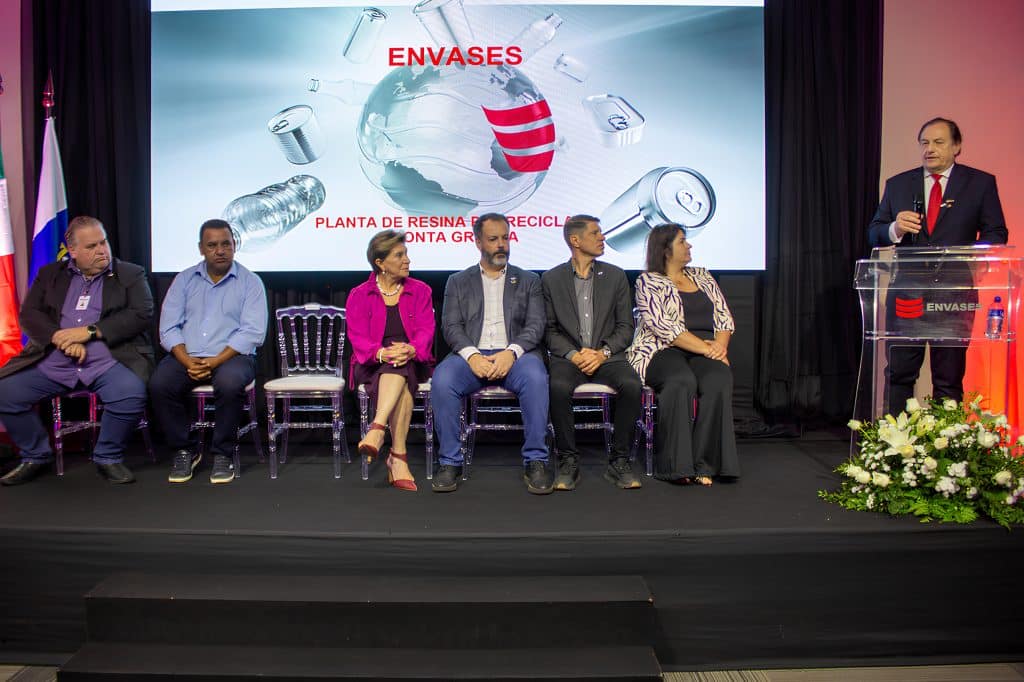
x: 24, y: 472
x: 116, y: 473
x: 539, y: 479
x: 446, y: 480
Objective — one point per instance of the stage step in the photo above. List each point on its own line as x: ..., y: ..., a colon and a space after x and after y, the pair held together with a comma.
x: 112, y: 660
x: 370, y: 612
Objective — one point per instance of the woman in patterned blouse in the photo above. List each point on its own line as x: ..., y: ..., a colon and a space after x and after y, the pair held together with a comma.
x: 681, y: 350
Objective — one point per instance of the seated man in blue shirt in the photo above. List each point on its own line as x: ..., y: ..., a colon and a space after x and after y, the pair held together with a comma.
x: 213, y: 319
x: 86, y: 320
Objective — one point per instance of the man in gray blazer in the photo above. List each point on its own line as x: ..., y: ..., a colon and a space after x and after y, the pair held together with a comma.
x: 493, y: 319
x: 590, y: 325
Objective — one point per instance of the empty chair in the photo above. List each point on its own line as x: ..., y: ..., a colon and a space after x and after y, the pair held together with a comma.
x: 310, y: 340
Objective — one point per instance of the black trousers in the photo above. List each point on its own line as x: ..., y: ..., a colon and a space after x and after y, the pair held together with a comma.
x: 565, y: 377
x: 171, y: 387
x: 948, y: 365
x: 688, y: 444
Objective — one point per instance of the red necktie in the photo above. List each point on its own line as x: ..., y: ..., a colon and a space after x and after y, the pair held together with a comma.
x: 934, y: 202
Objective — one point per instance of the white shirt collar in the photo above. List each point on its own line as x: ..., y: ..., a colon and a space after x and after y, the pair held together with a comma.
x: 944, y: 174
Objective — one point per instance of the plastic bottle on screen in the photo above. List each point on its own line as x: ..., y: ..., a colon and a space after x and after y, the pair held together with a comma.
x: 996, y: 316
x: 260, y: 219
x: 538, y: 34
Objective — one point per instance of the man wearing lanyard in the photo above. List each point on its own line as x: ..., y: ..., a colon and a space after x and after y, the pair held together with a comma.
x: 213, y: 319
x: 961, y: 207
x: 86, y: 320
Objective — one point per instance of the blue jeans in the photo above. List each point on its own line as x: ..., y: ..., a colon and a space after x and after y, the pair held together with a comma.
x: 453, y: 380
x: 121, y: 391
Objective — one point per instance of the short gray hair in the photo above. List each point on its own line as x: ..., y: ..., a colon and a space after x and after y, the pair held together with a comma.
x: 78, y: 223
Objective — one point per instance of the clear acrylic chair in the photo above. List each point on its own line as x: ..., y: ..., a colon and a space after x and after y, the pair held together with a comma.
x: 311, y: 341
x: 645, y: 424
x: 488, y: 401
x: 421, y: 404
x: 64, y: 427
x: 204, y: 423
x: 594, y: 398
x: 645, y: 427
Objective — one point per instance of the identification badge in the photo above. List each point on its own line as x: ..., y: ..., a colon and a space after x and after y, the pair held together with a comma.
x: 83, y: 303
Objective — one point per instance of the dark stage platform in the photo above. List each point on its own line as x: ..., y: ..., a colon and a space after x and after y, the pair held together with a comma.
x: 756, y: 573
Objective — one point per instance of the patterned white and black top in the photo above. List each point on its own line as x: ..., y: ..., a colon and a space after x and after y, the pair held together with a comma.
x: 660, y: 316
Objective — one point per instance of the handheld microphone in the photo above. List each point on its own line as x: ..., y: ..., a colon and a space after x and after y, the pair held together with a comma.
x: 919, y: 210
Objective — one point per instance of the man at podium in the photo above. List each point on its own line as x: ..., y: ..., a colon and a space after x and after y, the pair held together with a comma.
x: 941, y: 204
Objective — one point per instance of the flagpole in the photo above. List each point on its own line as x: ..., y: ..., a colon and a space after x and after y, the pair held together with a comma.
x: 48, y: 95
x: 51, y: 216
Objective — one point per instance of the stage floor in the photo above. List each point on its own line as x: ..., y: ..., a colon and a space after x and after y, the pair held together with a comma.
x: 755, y: 573
x: 777, y: 492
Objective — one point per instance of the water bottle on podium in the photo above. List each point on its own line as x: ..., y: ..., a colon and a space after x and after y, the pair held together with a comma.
x: 996, y: 316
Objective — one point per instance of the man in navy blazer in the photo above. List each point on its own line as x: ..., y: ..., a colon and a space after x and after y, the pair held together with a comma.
x: 493, y: 319
x: 961, y: 207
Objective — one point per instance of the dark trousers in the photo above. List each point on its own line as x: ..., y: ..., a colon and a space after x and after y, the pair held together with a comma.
x: 617, y: 374
x: 121, y: 391
x: 948, y: 364
x: 684, y: 446
x: 171, y: 388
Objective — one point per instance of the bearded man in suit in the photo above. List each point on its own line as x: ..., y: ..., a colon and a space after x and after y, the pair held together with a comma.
x: 493, y: 319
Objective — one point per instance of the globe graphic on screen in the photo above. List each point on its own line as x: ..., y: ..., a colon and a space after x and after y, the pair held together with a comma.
x: 427, y: 144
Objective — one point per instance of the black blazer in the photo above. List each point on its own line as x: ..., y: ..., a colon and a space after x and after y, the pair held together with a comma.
x: 124, y: 321
x: 972, y: 211
x: 462, y: 317
x: 613, y: 310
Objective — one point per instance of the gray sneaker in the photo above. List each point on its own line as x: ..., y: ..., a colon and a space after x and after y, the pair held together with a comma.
x: 223, y: 469
x: 621, y: 474
x: 185, y: 462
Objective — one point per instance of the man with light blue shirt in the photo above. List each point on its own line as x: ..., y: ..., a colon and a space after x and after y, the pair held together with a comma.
x: 213, y: 319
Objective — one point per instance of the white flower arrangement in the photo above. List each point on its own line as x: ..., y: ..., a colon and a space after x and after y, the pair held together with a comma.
x: 939, y: 460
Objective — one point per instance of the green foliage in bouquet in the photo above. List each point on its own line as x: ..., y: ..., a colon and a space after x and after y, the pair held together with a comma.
x: 944, y: 461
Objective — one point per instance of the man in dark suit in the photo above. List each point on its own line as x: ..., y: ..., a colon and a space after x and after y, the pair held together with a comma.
x: 493, y: 319
x: 87, y: 321
x: 961, y: 207
x: 590, y: 324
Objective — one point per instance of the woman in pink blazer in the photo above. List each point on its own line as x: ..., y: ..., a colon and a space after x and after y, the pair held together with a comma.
x: 681, y: 349
x: 391, y: 328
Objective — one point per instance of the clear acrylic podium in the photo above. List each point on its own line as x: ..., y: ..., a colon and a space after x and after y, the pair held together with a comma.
x: 938, y: 296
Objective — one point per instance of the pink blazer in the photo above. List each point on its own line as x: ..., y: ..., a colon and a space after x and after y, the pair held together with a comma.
x: 366, y: 316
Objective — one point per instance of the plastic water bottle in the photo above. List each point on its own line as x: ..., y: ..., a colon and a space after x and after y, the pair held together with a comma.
x: 996, y: 315
x: 262, y: 218
x: 535, y: 36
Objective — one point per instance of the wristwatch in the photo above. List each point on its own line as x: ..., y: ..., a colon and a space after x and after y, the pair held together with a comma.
x: 607, y: 352
x: 92, y: 332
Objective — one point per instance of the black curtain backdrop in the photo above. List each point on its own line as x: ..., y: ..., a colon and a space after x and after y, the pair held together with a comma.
x: 823, y: 83
x: 823, y: 99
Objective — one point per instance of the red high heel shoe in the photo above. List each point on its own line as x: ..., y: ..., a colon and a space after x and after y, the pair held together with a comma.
x: 400, y: 483
x: 364, y: 448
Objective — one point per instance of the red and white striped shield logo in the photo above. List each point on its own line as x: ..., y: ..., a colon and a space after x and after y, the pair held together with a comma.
x: 526, y: 135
